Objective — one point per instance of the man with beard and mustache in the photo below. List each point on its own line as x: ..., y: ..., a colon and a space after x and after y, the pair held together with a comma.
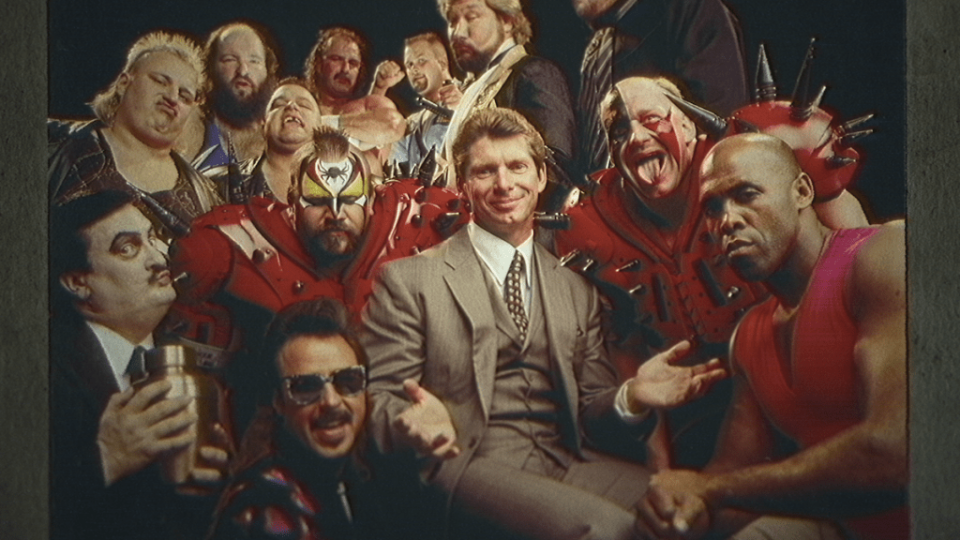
x: 336, y: 69
x: 823, y: 361
x: 245, y: 262
x: 641, y: 239
x: 427, y: 68
x: 110, y: 288
x: 487, y: 38
x: 291, y: 118
x: 303, y: 465
x: 131, y: 145
x: 241, y: 66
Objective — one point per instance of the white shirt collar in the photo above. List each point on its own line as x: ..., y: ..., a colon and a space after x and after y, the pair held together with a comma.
x: 118, y: 350
x: 497, y: 254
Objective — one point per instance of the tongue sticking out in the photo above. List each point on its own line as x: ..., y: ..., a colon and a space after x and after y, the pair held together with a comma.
x: 650, y: 168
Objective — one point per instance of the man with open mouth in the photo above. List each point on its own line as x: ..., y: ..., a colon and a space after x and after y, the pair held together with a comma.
x: 304, y: 472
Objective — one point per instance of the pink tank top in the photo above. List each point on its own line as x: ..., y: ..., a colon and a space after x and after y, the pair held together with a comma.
x: 820, y: 398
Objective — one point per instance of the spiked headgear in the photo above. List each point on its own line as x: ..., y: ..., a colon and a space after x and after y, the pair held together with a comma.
x: 820, y: 142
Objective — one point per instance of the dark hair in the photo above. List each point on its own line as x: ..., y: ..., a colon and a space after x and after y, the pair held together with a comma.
x: 325, y: 38
x: 323, y: 317
x: 213, y: 43
x: 68, y: 245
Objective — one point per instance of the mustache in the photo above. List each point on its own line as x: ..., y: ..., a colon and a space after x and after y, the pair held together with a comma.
x: 245, y: 79
x: 158, y: 273
x: 336, y: 416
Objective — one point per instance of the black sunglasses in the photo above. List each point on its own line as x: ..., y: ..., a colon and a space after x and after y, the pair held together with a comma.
x: 307, y: 389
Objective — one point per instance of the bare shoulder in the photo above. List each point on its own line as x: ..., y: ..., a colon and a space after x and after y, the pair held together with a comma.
x: 879, y: 271
x: 885, y: 249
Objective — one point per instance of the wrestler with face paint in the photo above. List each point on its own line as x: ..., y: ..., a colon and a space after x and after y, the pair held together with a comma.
x: 331, y: 209
x: 641, y: 240
x: 652, y: 144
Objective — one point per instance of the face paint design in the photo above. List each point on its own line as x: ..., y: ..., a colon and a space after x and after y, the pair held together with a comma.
x: 334, y: 184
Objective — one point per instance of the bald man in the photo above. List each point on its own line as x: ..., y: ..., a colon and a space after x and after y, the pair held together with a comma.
x: 823, y: 360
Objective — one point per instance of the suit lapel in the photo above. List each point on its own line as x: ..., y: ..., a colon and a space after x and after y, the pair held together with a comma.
x: 559, y: 320
x: 83, y: 357
x: 464, y: 278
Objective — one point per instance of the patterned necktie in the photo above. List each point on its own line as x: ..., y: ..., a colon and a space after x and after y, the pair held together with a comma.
x: 596, y: 76
x: 514, y: 297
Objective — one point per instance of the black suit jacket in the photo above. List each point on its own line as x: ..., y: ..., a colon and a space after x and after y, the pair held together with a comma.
x: 537, y: 89
x: 139, y: 506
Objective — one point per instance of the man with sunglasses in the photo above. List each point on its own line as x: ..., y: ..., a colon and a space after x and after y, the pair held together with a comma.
x: 302, y: 476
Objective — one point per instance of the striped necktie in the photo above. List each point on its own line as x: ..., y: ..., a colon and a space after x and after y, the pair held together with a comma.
x: 596, y: 79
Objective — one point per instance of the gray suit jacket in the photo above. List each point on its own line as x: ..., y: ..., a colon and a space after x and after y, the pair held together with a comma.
x: 430, y: 319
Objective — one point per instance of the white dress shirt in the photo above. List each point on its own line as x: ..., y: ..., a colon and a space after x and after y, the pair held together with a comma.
x: 497, y: 255
x: 118, y: 351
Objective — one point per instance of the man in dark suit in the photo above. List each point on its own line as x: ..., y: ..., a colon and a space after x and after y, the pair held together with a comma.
x: 486, y: 359
x: 111, y: 288
x: 487, y: 38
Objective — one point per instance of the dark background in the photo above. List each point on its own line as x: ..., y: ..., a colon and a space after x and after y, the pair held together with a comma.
x: 860, y: 52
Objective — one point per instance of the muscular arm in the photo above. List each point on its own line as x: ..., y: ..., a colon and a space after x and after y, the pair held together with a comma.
x: 373, y: 120
x: 861, y: 470
x: 872, y: 455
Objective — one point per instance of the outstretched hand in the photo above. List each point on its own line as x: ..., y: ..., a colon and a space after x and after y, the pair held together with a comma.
x: 661, y: 384
x: 139, y: 426
x: 426, y: 424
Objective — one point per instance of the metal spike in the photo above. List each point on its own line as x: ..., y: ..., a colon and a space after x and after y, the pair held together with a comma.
x: 427, y: 167
x: 742, y: 126
x: 800, y: 104
x: 836, y: 162
x: 552, y: 220
x: 446, y: 220
x: 766, y: 87
x: 392, y: 170
x: 570, y: 257
x: 587, y: 266
x: 816, y: 101
x: 631, y: 266
x: 711, y: 123
x: 850, y: 124
x: 848, y: 139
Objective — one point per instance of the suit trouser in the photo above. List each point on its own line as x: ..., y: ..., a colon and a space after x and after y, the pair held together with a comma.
x: 592, y: 499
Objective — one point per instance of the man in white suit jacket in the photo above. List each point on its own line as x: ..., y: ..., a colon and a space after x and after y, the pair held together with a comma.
x: 486, y: 359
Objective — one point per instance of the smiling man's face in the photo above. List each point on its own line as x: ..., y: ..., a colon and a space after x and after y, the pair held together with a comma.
x: 331, y: 424
x: 503, y: 183
x: 292, y: 115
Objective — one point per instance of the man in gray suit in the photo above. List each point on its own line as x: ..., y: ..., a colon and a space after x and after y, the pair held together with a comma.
x: 486, y: 359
